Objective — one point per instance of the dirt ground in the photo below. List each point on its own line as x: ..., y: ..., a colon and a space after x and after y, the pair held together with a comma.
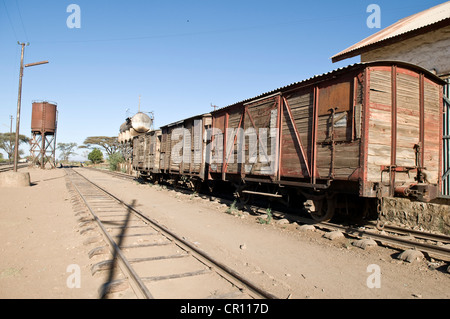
x: 41, y: 245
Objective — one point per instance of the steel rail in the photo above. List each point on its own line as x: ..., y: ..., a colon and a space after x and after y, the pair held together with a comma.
x: 137, y: 284
x: 402, y: 242
x: 223, y: 270
x: 441, y: 251
x: 385, y: 239
x: 414, y: 233
x: 6, y: 169
x: 406, y: 243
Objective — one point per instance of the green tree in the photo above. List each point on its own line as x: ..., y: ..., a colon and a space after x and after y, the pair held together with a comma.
x: 114, y: 160
x: 8, y: 141
x: 96, y: 156
x: 109, y: 144
x: 66, y: 150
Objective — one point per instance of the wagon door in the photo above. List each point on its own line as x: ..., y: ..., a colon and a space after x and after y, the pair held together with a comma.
x: 165, y: 149
x: 261, y: 137
x: 337, y: 154
x: 296, y: 134
x: 214, y: 148
x: 195, y: 144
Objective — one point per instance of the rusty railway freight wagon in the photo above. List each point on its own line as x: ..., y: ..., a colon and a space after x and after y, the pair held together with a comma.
x: 369, y: 130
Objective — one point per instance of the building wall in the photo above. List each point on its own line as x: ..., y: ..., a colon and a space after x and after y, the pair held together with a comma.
x: 430, y: 51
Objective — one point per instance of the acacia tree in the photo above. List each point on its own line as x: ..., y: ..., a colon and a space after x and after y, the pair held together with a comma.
x: 8, y: 141
x: 67, y: 150
x: 109, y: 144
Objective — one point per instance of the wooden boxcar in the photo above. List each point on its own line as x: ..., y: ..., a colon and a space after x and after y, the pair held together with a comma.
x: 146, y: 154
x: 364, y: 131
x: 183, y: 148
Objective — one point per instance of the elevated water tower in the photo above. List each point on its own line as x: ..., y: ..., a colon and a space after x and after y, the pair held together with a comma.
x: 44, y: 120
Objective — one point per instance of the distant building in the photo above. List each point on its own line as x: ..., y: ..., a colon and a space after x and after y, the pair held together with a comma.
x: 422, y: 39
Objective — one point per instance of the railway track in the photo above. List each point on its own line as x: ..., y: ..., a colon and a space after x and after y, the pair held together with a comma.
x: 436, y: 245
x: 7, y: 167
x: 155, y: 262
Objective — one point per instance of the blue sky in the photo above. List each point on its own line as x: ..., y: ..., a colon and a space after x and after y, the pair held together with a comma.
x: 179, y: 56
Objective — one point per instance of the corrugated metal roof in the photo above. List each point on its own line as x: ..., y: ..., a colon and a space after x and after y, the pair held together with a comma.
x: 315, y: 79
x: 291, y: 85
x: 187, y: 119
x: 323, y: 76
x: 425, y: 21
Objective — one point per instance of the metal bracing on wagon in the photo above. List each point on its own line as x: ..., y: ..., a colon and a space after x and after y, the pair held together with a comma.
x: 446, y: 142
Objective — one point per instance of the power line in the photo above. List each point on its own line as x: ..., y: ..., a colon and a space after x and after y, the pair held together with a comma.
x: 203, y: 32
x: 308, y: 20
x: 21, y: 20
x: 10, y: 22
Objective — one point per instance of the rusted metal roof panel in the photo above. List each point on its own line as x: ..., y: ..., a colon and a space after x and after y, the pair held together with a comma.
x: 419, y: 23
x: 324, y: 76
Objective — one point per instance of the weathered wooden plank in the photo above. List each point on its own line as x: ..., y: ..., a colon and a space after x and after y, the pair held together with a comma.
x: 380, y: 87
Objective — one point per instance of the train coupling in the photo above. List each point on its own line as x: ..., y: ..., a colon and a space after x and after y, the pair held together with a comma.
x: 420, y: 191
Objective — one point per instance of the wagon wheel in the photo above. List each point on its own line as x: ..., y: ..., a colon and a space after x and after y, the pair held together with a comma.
x: 198, y: 186
x: 143, y: 176
x: 154, y: 179
x: 210, y: 186
x: 244, y: 198
x: 321, y: 209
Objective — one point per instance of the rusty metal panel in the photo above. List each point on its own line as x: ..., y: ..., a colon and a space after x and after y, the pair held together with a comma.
x: 335, y: 95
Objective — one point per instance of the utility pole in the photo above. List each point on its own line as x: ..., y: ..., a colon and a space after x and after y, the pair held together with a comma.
x: 19, y: 102
x: 10, y: 138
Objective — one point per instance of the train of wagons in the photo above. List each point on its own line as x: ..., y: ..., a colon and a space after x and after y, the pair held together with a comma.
x: 335, y: 142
